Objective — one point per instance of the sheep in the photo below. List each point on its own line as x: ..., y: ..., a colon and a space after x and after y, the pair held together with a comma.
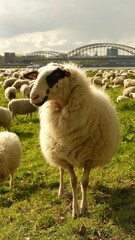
x: 79, y: 127
x: 10, y: 155
x: 128, y: 90
x: 18, y: 83
x: 129, y: 83
x: 25, y: 90
x: 97, y: 81
x: 122, y: 98
x: 8, y: 82
x: 132, y: 95
x: 5, y: 118
x: 21, y: 107
x: 10, y: 93
x: 118, y: 81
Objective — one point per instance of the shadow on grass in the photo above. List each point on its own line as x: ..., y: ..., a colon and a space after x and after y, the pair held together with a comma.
x: 19, y: 193
x: 25, y: 119
x: 24, y: 135
x: 120, y: 206
x: 24, y: 191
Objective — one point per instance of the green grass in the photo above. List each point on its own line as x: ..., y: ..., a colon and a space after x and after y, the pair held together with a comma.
x: 32, y: 210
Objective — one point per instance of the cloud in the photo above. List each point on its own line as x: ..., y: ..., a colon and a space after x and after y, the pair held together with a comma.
x: 28, y: 26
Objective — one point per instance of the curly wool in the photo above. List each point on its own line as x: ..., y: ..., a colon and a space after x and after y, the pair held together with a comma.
x: 5, y: 118
x: 86, y: 128
x: 10, y: 154
x: 79, y: 126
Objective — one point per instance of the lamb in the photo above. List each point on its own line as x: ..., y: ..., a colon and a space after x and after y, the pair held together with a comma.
x: 10, y: 155
x: 79, y: 127
x: 10, y: 93
x: 5, y: 118
x: 21, y: 107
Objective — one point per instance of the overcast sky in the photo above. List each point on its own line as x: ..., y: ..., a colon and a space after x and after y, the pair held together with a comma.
x: 63, y: 25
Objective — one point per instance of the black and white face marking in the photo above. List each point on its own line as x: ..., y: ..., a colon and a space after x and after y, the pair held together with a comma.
x: 55, y: 76
x: 45, y: 82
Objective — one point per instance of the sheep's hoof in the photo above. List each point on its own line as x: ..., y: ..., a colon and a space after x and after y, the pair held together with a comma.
x: 60, y: 193
x: 76, y: 214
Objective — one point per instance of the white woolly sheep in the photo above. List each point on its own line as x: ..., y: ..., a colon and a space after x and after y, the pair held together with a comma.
x: 79, y: 127
x: 128, y: 90
x: 132, y: 95
x: 31, y: 84
x: 8, y: 82
x: 97, y: 81
x: 122, y: 98
x: 25, y: 90
x: 10, y: 93
x: 18, y: 83
x: 5, y: 118
x: 129, y: 83
x: 10, y: 155
x: 118, y: 81
x: 21, y: 107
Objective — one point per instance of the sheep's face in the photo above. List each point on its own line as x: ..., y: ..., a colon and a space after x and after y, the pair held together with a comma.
x: 52, y: 83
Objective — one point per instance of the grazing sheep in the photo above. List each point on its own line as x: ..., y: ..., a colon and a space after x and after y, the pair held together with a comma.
x: 79, y: 127
x: 128, y: 90
x: 18, y: 83
x: 122, y: 98
x: 8, y: 82
x: 21, y: 107
x: 10, y: 155
x: 132, y: 95
x: 118, y: 81
x: 97, y: 81
x: 5, y: 118
x: 31, y: 84
x: 25, y: 90
x: 10, y: 93
x: 129, y: 83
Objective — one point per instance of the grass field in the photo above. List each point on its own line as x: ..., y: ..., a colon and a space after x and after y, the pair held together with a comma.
x: 32, y: 210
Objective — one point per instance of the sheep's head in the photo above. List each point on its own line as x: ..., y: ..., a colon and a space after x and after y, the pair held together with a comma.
x: 52, y: 83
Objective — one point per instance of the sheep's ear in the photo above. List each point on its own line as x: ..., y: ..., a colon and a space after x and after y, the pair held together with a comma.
x: 31, y: 75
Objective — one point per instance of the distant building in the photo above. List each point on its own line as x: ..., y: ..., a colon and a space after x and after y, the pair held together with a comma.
x: 9, y: 57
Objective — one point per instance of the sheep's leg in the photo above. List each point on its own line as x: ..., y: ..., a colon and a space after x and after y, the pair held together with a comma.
x: 84, y: 185
x: 73, y: 181
x: 61, y: 187
x: 15, y: 117
x: 11, y: 179
x: 30, y: 116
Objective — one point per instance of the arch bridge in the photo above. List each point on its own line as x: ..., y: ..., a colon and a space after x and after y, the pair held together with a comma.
x: 46, y: 54
x: 98, y: 54
x: 102, y: 49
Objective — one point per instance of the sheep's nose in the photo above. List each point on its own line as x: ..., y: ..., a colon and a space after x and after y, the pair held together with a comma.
x: 36, y: 97
x: 33, y: 98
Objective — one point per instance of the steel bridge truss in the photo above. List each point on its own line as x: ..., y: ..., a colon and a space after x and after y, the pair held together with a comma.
x: 97, y: 49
